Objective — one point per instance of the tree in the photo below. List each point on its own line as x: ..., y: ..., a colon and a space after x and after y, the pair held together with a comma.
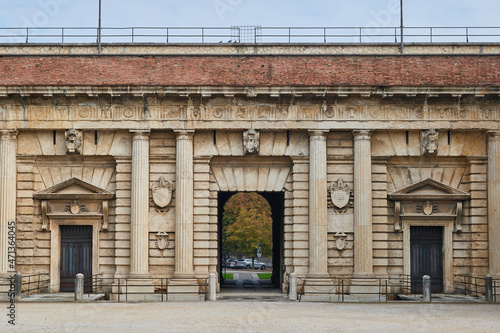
x: 246, y: 222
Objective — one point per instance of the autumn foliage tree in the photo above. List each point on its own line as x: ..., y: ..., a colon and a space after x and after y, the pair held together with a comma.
x: 247, y: 221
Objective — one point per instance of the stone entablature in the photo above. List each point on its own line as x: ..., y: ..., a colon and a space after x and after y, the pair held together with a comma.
x: 293, y: 112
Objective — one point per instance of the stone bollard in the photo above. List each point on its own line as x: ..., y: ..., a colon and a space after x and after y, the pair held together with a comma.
x: 292, y: 293
x: 488, y: 289
x: 18, y: 286
x: 79, y: 287
x: 426, y: 291
x: 212, y: 287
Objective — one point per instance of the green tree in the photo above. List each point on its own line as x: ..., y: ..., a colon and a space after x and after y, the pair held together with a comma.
x: 246, y: 222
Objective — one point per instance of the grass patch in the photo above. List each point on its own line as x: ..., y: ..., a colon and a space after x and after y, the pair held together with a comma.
x: 264, y: 276
x: 227, y: 276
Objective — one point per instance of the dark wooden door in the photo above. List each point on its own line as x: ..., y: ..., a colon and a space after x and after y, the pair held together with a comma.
x: 426, y: 256
x: 76, y: 254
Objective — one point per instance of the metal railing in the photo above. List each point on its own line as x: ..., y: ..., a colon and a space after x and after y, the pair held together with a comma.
x: 249, y: 34
x: 35, y: 284
x: 121, y: 288
x: 475, y: 286
x: 342, y: 288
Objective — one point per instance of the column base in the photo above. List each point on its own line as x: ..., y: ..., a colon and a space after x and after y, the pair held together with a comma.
x: 184, y: 290
x: 364, y: 289
x: 319, y: 289
x: 136, y: 288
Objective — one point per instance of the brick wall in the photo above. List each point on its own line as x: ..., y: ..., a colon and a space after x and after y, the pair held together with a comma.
x: 435, y: 70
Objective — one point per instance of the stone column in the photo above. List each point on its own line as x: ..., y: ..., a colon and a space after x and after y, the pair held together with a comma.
x: 318, y: 247
x: 7, y: 193
x: 363, y: 254
x: 493, y: 202
x: 139, y: 204
x: 184, y: 203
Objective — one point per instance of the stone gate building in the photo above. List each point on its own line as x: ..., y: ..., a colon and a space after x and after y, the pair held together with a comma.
x: 372, y: 161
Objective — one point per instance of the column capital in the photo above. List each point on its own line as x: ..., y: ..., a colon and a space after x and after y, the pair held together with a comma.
x: 8, y: 134
x: 184, y: 134
x: 362, y: 134
x: 318, y: 134
x: 493, y: 135
x: 140, y: 134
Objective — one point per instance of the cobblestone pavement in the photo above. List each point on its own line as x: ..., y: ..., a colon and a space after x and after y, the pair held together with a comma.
x: 251, y: 317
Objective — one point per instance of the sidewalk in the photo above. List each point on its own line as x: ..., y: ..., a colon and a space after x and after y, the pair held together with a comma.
x: 252, y: 317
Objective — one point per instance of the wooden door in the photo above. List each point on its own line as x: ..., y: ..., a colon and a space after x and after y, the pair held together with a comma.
x: 426, y: 257
x: 76, y: 254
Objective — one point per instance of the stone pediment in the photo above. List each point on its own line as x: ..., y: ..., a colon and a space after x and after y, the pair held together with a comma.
x: 74, y: 189
x: 428, y: 200
x: 429, y: 189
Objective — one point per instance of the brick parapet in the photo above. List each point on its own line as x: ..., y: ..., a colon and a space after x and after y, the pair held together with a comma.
x: 305, y: 70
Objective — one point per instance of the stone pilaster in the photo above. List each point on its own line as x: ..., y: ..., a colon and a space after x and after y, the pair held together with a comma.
x: 139, y: 205
x: 184, y: 194
x: 493, y: 202
x: 363, y: 253
x: 318, y: 247
x: 7, y: 193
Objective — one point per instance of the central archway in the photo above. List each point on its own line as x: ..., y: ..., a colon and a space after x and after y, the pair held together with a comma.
x: 267, y: 176
x: 276, y: 201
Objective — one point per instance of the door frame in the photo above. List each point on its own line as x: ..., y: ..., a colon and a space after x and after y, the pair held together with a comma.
x: 447, y: 225
x: 55, y: 246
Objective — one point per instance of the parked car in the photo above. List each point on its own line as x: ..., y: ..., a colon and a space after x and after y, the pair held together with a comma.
x: 227, y: 263
x: 247, y: 264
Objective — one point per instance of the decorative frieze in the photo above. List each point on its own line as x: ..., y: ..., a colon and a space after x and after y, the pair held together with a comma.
x: 327, y: 108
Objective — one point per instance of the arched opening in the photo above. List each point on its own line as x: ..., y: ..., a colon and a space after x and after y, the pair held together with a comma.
x: 251, y: 206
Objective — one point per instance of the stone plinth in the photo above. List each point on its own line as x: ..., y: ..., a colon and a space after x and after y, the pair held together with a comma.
x: 319, y: 290
x: 363, y: 290
x: 135, y: 290
x: 184, y: 290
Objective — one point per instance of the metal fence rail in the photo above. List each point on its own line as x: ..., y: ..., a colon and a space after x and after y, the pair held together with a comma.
x: 475, y: 286
x: 341, y: 288
x: 249, y: 34
x: 121, y: 288
x: 35, y: 284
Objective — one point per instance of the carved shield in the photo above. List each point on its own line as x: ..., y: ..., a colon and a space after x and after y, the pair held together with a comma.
x: 162, y: 196
x: 74, y: 207
x: 340, y: 243
x: 340, y: 197
x: 162, y: 243
x: 427, y: 209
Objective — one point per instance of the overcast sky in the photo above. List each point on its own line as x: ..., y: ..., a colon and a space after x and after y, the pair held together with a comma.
x: 225, y: 13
